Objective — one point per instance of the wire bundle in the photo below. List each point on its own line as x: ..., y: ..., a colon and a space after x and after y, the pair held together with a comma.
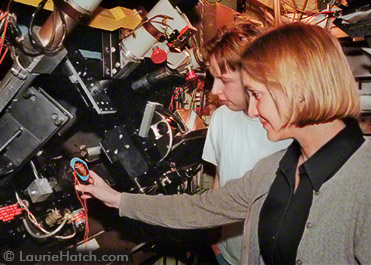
x: 4, y: 19
x: 47, y: 233
x: 176, y: 94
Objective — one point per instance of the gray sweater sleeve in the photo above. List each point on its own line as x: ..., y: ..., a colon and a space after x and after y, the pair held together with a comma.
x: 362, y: 239
x: 213, y: 208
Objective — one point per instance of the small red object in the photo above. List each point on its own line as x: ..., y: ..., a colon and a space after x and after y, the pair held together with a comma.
x: 191, y: 75
x: 158, y: 56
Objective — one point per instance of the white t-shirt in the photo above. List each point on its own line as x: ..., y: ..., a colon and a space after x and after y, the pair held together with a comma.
x: 235, y: 143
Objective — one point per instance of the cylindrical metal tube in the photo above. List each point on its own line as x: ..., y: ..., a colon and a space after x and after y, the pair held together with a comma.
x: 151, y: 79
x: 142, y: 41
x: 46, y: 31
x: 91, y: 152
x: 72, y: 12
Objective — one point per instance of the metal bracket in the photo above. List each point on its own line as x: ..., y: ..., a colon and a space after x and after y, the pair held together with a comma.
x: 93, y: 93
x: 110, y: 54
x: 359, y: 29
x: 147, y: 118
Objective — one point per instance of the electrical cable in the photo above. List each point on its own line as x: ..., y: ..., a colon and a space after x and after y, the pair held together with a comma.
x: 319, y: 22
x: 304, y: 7
x: 6, y: 17
x: 85, y: 209
x: 40, y: 49
x: 43, y: 236
x: 151, y: 21
x: 69, y: 236
x: 32, y: 218
x: 21, y: 66
x: 3, y: 56
x: 316, y: 14
x: 172, y: 98
x: 175, y: 96
x: 34, y: 170
x: 34, y: 40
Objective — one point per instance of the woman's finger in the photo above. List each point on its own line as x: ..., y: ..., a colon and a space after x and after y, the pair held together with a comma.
x: 85, y: 196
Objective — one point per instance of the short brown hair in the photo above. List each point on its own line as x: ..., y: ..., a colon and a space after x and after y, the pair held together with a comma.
x: 308, y: 65
x: 226, y: 47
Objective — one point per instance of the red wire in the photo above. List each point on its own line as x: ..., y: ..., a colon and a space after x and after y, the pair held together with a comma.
x: 3, y: 37
x: 85, y: 208
x: 181, y: 91
x: 172, y: 98
x: 4, y: 15
x: 5, y: 27
x: 316, y: 14
x: 2, y: 58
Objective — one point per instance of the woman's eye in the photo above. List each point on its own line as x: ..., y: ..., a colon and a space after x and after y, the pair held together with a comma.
x: 255, y: 94
x: 251, y: 93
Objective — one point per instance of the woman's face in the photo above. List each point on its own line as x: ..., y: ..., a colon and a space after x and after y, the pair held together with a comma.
x: 228, y: 88
x: 262, y: 106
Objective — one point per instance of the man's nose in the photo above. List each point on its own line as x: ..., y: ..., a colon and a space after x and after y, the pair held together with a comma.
x: 216, y: 89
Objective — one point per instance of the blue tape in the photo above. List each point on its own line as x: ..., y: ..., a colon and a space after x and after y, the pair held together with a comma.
x: 72, y: 164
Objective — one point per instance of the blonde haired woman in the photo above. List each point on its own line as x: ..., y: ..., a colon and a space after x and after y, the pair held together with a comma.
x: 234, y: 142
x: 309, y: 204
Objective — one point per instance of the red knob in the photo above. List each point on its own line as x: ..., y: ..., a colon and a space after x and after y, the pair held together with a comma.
x: 158, y: 56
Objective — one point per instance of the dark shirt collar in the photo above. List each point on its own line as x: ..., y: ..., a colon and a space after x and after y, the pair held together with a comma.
x: 323, y: 164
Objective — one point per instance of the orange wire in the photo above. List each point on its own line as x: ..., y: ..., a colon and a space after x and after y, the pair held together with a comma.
x: 3, y: 37
x: 4, y: 15
x: 5, y: 27
x: 2, y: 58
x: 85, y: 208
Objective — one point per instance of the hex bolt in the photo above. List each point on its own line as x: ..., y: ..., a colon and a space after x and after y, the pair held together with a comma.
x: 54, y: 116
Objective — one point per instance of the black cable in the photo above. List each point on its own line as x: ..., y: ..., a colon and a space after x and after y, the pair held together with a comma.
x: 202, y: 103
x: 15, y: 38
x: 34, y: 40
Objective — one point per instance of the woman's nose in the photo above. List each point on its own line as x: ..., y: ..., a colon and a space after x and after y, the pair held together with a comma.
x: 252, y: 111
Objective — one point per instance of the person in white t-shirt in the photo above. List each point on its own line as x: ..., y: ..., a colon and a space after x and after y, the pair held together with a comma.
x: 234, y: 142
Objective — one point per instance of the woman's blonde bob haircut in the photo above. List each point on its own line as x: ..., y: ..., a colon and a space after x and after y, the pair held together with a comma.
x: 308, y: 65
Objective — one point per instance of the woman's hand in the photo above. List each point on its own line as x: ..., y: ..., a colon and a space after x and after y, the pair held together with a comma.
x: 99, y: 189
